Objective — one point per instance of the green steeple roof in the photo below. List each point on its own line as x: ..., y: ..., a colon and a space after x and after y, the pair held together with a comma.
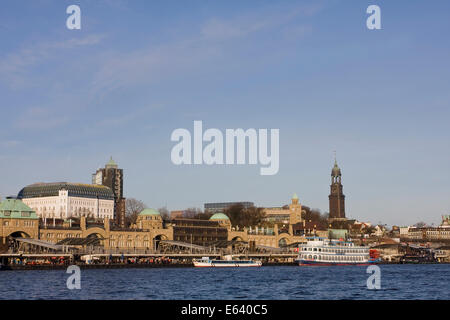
x: 336, y: 171
x: 295, y: 196
x: 111, y: 163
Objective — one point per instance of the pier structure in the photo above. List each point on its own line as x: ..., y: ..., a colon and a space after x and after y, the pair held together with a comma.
x: 22, y: 231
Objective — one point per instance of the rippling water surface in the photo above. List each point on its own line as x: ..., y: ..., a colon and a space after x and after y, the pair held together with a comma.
x: 397, y: 282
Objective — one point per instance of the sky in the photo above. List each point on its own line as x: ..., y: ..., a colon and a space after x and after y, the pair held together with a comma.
x: 138, y: 70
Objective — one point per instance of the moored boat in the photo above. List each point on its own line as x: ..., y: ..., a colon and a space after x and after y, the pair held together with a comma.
x: 227, y: 262
x: 325, y: 252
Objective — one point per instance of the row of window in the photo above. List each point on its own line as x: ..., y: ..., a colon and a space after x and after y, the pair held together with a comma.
x: 129, y: 244
x: 60, y: 235
x: 22, y: 214
x: 26, y: 223
x: 333, y: 258
x: 333, y: 250
x: 129, y: 237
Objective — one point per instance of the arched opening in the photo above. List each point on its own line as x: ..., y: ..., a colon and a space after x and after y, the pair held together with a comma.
x: 282, y: 243
x: 238, y: 245
x: 19, y: 234
x: 11, y: 244
x: 157, y: 240
x: 94, y: 239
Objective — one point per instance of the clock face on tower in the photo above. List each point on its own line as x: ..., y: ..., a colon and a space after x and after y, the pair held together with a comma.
x: 334, y: 189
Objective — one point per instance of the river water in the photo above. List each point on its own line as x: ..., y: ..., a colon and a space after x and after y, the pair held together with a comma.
x: 397, y: 282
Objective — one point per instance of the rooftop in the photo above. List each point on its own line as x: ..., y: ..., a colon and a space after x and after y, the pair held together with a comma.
x: 52, y: 189
x: 111, y: 163
x: 149, y: 212
x: 219, y: 216
x: 14, y: 208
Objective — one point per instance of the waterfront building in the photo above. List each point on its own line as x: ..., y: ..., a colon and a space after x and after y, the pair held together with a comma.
x: 291, y: 214
x: 379, y: 231
x: 440, y: 233
x: 201, y: 232
x: 404, y: 231
x: 337, y: 233
x: 16, y: 220
x: 222, y: 206
x: 62, y: 200
x: 23, y: 226
x: 336, y: 197
x: 423, y: 234
x: 391, y: 252
x: 111, y: 176
x: 309, y: 229
x: 177, y: 214
x: 146, y: 234
x: 442, y: 254
x: 149, y: 219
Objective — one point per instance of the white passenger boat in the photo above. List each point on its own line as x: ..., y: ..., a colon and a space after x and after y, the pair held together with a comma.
x: 324, y: 252
x: 227, y: 262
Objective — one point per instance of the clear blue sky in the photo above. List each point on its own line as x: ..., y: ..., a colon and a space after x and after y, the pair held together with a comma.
x: 137, y: 70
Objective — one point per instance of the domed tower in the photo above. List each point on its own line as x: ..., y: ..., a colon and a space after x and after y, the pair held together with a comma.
x: 336, y: 197
x: 149, y: 219
x: 111, y: 176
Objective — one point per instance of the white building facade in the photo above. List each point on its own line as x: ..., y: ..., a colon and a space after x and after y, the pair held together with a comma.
x: 65, y: 200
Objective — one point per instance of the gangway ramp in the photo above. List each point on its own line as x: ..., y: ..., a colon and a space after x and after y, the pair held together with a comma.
x: 40, y: 243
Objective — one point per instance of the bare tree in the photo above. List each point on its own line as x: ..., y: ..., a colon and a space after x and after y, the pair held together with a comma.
x: 132, y: 208
x: 245, y: 217
x: 191, y: 213
x: 420, y: 224
x: 165, y: 215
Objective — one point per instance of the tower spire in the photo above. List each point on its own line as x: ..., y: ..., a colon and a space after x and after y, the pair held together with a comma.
x: 336, y: 197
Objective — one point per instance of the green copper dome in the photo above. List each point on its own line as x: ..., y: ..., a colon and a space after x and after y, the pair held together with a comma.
x: 219, y: 216
x: 295, y: 196
x: 149, y: 212
x: 111, y: 163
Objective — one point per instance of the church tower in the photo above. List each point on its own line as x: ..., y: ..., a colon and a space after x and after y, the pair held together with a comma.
x: 336, y: 197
